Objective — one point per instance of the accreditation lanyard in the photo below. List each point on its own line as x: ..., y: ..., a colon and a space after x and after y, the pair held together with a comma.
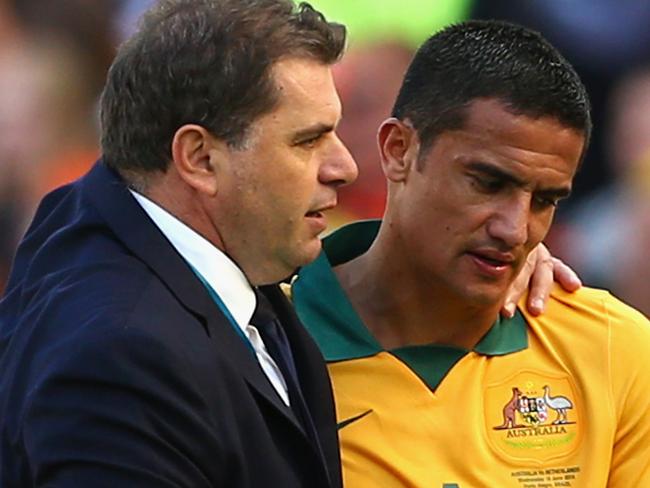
x: 222, y: 306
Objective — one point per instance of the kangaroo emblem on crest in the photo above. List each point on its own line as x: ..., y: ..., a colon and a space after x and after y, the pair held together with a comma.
x: 510, y: 412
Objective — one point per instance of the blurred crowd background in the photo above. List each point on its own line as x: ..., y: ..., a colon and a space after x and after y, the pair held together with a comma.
x: 54, y: 55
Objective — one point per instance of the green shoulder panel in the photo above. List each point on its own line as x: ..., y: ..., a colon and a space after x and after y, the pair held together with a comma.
x: 328, y: 315
x: 323, y: 306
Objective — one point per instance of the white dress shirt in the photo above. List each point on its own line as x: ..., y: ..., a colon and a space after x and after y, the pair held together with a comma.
x: 225, y: 278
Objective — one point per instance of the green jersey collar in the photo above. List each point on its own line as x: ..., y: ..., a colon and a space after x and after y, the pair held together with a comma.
x: 326, y: 311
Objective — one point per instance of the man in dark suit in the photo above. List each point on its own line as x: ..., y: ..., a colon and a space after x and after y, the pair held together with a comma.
x: 142, y: 341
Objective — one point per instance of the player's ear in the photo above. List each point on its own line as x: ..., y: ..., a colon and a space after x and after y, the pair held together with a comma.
x: 399, y: 147
x: 198, y: 156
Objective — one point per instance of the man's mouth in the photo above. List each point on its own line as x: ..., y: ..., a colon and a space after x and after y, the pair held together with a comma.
x: 318, y: 211
x: 317, y: 220
x: 492, y: 263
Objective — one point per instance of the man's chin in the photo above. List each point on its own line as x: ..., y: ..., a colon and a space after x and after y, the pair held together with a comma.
x: 484, y: 296
x: 302, y: 254
x: 310, y: 251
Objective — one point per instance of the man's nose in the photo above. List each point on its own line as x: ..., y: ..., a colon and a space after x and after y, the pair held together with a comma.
x: 339, y: 168
x: 511, y: 220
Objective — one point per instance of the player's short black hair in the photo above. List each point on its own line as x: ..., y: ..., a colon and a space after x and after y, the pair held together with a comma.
x: 489, y: 59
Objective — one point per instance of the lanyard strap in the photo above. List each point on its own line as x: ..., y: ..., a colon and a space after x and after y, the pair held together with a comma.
x: 222, y: 306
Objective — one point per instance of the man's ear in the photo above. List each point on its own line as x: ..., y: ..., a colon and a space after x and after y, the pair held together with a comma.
x: 197, y: 156
x: 399, y: 147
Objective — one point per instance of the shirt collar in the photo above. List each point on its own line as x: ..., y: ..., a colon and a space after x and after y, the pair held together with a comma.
x: 326, y: 311
x: 220, y: 272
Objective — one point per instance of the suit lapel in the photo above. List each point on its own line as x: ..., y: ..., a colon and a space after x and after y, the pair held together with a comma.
x: 319, y: 409
x: 245, y: 362
x: 130, y: 223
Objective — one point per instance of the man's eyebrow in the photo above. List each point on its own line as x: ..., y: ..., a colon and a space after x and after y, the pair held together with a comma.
x: 554, y: 193
x: 313, y: 130
x: 496, y: 172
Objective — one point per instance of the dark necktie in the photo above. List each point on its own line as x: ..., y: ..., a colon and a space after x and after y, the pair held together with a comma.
x: 277, y: 345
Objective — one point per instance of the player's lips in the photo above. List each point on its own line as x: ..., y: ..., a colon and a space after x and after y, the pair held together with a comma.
x: 491, y: 262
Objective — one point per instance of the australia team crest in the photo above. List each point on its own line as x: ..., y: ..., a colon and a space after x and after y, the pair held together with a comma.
x: 533, y: 416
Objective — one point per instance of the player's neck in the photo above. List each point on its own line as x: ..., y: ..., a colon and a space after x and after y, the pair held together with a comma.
x: 400, y: 309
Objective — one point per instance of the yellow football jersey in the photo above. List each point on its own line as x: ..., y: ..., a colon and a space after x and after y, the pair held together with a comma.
x: 561, y: 400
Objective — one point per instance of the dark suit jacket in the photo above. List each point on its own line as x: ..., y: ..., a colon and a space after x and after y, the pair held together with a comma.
x: 118, y: 370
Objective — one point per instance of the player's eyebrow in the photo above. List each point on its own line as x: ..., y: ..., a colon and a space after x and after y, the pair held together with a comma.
x: 503, y: 175
x: 495, y: 172
x: 554, y: 193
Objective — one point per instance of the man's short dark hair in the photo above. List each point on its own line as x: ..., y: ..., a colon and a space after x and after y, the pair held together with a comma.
x: 205, y: 62
x: 489, y: 59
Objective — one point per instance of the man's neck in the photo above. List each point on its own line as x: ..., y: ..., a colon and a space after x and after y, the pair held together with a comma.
x: 400, y: 307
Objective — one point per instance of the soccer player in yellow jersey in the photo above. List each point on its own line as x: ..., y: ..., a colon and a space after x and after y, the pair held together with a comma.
x: 433, y: 389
